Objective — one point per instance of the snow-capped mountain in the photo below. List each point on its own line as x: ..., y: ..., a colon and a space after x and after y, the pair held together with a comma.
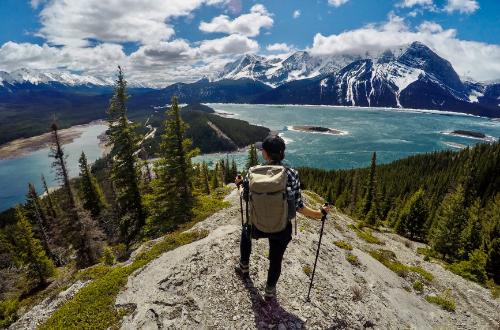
x: 38, y: 77
x: 27, y: 78
x: 415, y: 77
x: 275, y: 71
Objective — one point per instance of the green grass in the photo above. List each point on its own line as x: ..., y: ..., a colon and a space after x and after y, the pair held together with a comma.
x: 418, y: 286
x: 397, y: 267
x: 8, y: 309
x: 494, y: 288
x: 353, y: 260
x: 366, y: 235
x: 307, y: 270
x: 93, y: 306
x: 343, y: 245
x: 445, y: 300
x: 313, y: 197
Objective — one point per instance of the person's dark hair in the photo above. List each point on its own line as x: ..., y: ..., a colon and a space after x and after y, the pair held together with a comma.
x: 274, y: 145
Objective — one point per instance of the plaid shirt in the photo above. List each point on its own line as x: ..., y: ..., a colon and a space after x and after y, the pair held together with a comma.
x: 293, y: 187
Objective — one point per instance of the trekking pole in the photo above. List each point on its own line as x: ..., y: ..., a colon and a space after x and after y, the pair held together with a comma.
x: 323, y: 218
x: 241, y: 209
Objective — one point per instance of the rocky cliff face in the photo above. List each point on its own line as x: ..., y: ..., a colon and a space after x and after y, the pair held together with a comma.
x: 195, y: 285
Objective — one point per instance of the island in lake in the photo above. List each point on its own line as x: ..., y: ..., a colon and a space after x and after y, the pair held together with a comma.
x: 477, y: 135
x: 317, y: 129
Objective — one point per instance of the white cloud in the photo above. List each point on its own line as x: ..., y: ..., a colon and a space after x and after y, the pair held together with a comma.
x: 278, y: 47
x: 462, y: 6
x: 478, y: 60
x: 337, y: 3
x: 296, y: 13
x: 232, y: 44
x: 412, y: 3
x: 247, y: 24
x: 74, y: 22
x: 430, y: 27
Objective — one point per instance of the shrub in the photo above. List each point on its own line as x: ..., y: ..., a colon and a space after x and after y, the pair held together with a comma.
x: 353, y: 260
x: 8, y: 309
x: 343, y: 245
x: 418, y: 286
x: 445, y: 300
x: 120, y: 252
x: 366, y: 235
x: 472, y: 269
x: 494, y: 288
x: 307, y: 270
x: 357, y: 293
x: 384, y: 257
x: 108, y: 257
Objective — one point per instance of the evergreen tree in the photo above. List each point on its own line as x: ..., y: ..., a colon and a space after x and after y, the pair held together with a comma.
x: 471, y: 237
x: 252, y: 159
x: 29, y: 253
x: 234, y: 170
x: 124, y: 172
x: 59, y: 164
x: 173, y: 186
x: 451, y: 218
x: 215, y: 177
x: 35, y: 214
x: 205, y: 178
x: 370, y: 203
x: 413, y: 216
x: 76, y: 234
x: 90, y: 191
x: 51, y: 207
x: 493, y: 260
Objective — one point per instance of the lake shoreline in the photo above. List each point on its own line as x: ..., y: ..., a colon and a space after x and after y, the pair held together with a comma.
x: 24, y: 146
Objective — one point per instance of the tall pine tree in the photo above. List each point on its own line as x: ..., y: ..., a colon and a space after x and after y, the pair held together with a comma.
x: 205, y: 178
x: 451, y: 218
x: 72, y: 221
x: 35, y: 213
x: 51, y: 207
x: 28, y: 251
x: 90, y: 191
x: 369, y: 210
x: 413, y: 216
x: 172, y: 198
x: 124, y: 171
x: 252, y: 158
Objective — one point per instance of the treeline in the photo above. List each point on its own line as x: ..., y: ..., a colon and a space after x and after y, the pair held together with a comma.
x: 450, y: 200
x: 110, y: 208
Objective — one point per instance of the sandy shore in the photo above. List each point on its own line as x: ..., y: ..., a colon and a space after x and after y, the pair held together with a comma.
x: 23, y: 146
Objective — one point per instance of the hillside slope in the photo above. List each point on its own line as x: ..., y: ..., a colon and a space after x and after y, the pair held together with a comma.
x: 195, y: 285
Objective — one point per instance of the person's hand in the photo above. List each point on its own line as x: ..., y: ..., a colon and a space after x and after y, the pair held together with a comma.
x: 325, y: 209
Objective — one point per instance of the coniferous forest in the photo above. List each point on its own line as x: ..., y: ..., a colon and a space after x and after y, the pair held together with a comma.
x: 110, y: 209
x: 450, y: 200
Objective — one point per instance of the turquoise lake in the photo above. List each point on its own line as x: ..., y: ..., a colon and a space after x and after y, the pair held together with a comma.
x: 393, y: 134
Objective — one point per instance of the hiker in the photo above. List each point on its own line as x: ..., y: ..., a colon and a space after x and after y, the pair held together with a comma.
x: 267, y: 218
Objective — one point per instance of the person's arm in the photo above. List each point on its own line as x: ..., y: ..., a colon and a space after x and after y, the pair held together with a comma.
x: 311, y: 213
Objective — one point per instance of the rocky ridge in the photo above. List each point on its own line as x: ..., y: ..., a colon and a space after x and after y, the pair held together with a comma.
x: 195, y: 286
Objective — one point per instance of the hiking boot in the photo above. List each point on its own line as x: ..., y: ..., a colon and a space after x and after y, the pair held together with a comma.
x: 242, y: 270
x: 269, y: 293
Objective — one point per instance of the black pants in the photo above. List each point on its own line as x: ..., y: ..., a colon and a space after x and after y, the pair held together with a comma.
x: 277, y: 246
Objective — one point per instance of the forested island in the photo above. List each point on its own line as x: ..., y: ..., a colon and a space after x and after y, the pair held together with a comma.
x: 317, y: 129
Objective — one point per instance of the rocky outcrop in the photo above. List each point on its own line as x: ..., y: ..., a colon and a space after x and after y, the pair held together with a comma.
x: 195, y: 286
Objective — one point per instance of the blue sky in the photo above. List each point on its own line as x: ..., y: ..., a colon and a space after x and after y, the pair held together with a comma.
x: 180, y: 40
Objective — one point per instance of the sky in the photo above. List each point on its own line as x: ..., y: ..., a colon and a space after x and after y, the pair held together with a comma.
x: 159, y: 42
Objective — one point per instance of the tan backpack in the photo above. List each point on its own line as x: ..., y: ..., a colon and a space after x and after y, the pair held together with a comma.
x: 268, y: 198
